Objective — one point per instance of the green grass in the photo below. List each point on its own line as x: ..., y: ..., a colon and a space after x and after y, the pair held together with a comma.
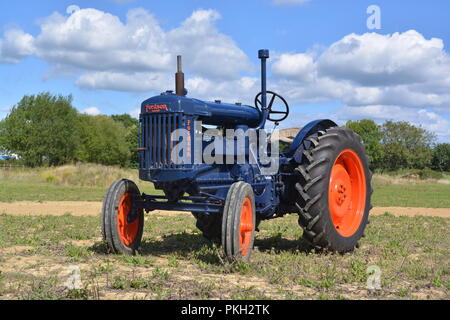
x: 427, y: 195
x: 74, y: 183
x: 34, y: 189
x: 39, y: 191
x: 44, y: 231
x: 77, y: 253
x: 175, y: 261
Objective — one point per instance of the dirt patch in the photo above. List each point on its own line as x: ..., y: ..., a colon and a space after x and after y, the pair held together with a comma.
x: 59, y: 208
x: 386, y: 179
x: 84, y: 208
x: 15, y: 249
x: 54, y: 208
x: 36, y: 265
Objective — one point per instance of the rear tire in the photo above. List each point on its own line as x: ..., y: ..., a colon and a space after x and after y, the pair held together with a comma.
x: 210, y: 225
x: 334, y: 190
x: 239, y: 221
x: 121, y: 236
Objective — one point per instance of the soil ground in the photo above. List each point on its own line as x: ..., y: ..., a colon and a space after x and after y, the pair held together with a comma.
x: 86, y: 208
x: 39, y: 255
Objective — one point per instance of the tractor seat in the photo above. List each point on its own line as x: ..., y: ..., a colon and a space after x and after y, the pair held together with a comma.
x: 286, y: 135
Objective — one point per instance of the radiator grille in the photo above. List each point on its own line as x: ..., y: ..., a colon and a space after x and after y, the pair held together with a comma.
x: 155, y: 138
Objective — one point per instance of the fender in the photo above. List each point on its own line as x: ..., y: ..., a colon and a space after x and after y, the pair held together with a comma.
x: 307, y: 130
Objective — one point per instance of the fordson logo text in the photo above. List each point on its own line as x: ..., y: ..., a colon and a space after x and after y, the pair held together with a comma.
x: 156, y: 108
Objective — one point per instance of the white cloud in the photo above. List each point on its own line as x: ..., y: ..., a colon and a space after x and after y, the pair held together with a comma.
x: 298, y: 67
x: 92, y: 111
x: 240, y: 90
x: 402, y: 76
x: 206, y: 51
x: 90, y: 39
x: 111, y: 54
x: 138, y: 55
x: 289, y: 2
x: 135, y: 113
x: 119, y: 81
x: 15, y: 45
x: 396, y: 95
x: 374, y: 59
x: 372, y: 69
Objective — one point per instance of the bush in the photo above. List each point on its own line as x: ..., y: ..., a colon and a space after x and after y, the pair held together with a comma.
x: 41, y: 129
x: 422, y: 174
x: 103, y: 141
x: 131, y: 126
x: 371, y: 135
x: 430, y: 174
x: 441, y: 157
x: 406, y: 146
x: 86, y: 175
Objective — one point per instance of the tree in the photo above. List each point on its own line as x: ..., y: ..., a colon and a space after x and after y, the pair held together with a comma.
x: 406, y: 146
x: 127, y: 120
x: 371, y: 135
x: 132, y: 126
x: 41, y: 129
x: 441, y: 157
x: 102, y: 140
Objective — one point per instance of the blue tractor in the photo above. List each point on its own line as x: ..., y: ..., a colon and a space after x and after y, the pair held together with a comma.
x: 322, y: 175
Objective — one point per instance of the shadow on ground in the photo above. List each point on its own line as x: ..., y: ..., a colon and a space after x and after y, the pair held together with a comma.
x: 279, y: 244
x: 185, y: 244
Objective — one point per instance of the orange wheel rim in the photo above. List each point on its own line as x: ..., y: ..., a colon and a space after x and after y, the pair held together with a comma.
x: 127, y: 231
x: 246, y: 226
x: 347, y: 193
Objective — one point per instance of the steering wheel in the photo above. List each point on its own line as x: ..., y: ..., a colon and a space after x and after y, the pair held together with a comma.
x: 284, y: 113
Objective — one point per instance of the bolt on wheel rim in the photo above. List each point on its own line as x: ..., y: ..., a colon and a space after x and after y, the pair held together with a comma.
x: 127, y: 231
x: 347, y: 193
x: 246, y: 226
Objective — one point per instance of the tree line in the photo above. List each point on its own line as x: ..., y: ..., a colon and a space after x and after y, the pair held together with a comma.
x: 400, y: 145
x: 46, y: 130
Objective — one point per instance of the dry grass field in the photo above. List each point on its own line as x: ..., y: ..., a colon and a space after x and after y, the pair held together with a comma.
x: 50, y: 232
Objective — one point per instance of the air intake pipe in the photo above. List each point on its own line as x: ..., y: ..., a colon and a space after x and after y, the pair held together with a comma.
x: 263, y: 54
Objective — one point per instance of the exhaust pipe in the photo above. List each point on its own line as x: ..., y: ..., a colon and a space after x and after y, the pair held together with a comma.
x: 179, y: 79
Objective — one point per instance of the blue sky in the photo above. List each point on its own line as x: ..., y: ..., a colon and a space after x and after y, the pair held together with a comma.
x: 112, y: 54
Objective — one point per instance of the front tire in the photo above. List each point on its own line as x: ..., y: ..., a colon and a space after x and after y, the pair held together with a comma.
x: 120, y: 235
x: 334, y: 190
x: 238, y: 222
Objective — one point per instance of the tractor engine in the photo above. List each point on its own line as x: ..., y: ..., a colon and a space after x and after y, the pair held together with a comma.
x: 160, y: 163
x: 163, y: 114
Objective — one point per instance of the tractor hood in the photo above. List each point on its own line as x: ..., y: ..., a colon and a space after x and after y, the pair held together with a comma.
x: 213, y: 113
